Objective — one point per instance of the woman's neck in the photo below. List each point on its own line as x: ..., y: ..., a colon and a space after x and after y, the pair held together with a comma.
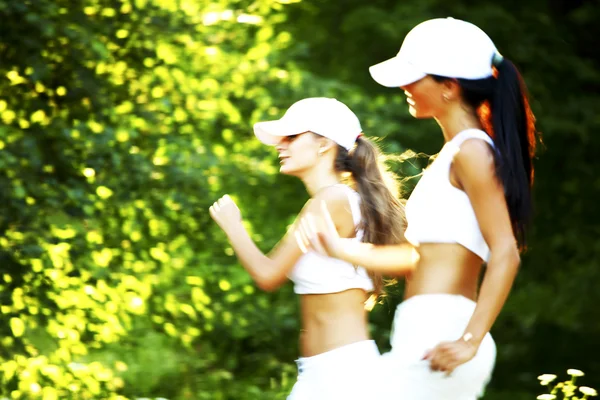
x: 316, y: 180
x: 457, y: 119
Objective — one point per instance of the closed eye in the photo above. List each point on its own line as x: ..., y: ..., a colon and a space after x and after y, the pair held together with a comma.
x: 290, y: 139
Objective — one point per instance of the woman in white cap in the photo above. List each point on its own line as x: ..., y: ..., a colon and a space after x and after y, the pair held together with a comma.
x: 320, y: 140
x: 471, y: 207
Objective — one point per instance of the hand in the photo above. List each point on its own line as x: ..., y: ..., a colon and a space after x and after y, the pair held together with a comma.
x: 226, y: 213
x: 318, y: 233
x: 447, y: 356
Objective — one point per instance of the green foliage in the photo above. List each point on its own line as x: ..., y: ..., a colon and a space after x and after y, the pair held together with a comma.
x: 123, y: 120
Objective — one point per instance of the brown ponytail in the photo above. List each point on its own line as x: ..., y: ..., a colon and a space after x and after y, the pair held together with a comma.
x: 383, y: 220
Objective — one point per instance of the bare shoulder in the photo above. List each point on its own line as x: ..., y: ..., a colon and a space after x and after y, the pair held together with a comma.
x: 335, y: 198
x: 333, y: 194
x: 475, y: 160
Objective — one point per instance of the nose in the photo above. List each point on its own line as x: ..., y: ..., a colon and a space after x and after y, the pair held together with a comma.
x: 280, y: 146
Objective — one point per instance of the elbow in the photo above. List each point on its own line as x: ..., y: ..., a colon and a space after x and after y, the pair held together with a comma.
x: 266, y: 286
x: 268, y: 283
x: 514, y: 256
x: 516, y: 259
x: 268, y: 276
x: 507, y: 255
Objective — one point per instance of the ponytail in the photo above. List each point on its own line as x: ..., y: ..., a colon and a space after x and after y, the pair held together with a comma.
x: 515, y: 140
x: 383, y: 220
x: 502, y: 105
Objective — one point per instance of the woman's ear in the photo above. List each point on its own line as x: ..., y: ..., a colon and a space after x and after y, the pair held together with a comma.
x: 450, y: 90
x: 326, y: 145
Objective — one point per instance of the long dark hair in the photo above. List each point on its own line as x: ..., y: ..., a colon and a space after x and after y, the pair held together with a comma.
x: 383, y: 220
x: 502, y: 104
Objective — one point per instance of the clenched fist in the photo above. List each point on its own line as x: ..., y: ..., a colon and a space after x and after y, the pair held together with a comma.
x: 226, y: 213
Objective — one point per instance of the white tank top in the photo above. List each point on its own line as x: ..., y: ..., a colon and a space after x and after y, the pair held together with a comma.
x: 437, y: 211
x: 317, y: 274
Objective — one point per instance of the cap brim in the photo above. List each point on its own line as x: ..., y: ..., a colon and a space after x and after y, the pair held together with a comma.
x: 271, y: 132
x: 395, y: 72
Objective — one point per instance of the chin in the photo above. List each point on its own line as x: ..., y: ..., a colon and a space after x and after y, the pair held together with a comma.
x: 416, y: 114
x: 286, y: 170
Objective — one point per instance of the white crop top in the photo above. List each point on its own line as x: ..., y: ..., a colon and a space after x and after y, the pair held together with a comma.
x: 437, y: 211
x: 317, y: 274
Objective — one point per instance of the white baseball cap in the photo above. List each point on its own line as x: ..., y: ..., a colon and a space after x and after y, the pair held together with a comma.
x: 321, y: 115
x: 442, y: 46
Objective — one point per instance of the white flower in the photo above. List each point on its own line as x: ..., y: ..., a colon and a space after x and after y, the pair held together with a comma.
x: 575, y: 372
x: 588, y: 391
x: 546, y: 378
x: 546, y: 397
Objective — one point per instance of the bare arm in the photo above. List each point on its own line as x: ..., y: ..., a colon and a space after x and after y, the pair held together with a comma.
x: 270, y: 272
x: 396, y: 259
x: 474, y: 169
x: 318, y: 232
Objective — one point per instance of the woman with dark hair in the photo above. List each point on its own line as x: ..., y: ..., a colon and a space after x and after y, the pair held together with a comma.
x: 320, y: 141
x: 471, y: 207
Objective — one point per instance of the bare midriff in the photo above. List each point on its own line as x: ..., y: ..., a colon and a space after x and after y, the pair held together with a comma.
x: 332, y: 320
x: 444, y: 268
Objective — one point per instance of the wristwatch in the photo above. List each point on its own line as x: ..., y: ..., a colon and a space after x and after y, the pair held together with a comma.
x: 467, y: 337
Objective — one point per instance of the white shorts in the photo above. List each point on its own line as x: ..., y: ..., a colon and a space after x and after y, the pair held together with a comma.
x: 345, y: 373
x: 420, y: 323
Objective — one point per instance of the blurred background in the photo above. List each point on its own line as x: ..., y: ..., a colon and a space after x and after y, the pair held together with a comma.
x: 121, y: 121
